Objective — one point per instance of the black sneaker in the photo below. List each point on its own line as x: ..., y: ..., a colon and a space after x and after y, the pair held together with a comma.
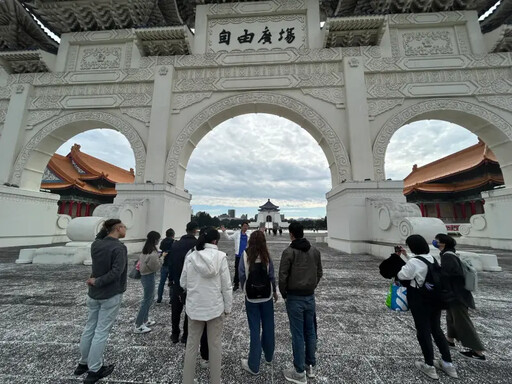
x: 470, y: 354
x: 93, y: 377
x: 81, y: 369
x: 175, y: 337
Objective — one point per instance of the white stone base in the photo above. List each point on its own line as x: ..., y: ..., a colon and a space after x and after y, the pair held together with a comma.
x: 61, y: 255
x: 492, y: 229
x: 30, y: 218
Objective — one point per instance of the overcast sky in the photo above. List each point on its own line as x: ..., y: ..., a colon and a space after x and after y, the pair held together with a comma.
x: 251, y: 158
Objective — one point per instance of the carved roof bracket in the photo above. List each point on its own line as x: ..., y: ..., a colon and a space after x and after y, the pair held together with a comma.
x: 27, y: 61
x: 353, y: 31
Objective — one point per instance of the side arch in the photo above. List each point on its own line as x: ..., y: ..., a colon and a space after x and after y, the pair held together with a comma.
x: 494, y: 130
x: 75, y: 122
x: 260, y: 102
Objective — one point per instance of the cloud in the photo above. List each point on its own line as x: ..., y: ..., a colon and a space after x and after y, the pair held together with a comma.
x: 421, y: 143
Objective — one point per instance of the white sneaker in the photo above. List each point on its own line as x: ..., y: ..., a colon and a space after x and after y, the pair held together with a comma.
x: 448, y: 369
x: 428, y: 370
x: 310, y: 371
x: 245, y: 366
x: 293, y: 376
x: 149, y: 323
x: 142, y: 329
x: 204, y: 363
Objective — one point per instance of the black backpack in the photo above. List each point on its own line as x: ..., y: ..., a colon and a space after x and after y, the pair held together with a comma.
x: 433, y: 290
x: 258, y: 285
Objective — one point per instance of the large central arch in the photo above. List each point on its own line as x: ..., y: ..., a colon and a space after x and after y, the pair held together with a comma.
x: 490, y: 127
x: 259, y: 102
x: 32, y: 159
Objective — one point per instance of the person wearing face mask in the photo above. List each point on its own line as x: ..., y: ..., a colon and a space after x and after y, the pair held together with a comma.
x: 459, y: 324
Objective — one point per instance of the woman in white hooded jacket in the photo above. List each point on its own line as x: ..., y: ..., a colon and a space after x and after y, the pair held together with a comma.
x: 207, y: 281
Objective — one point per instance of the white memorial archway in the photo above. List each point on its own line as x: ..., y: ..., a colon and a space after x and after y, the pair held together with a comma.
x: 371, y: 68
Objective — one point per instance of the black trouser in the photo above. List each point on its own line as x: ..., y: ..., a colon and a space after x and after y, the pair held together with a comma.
x: 236, y: 282
x: 427, y: 319
x: 203, y: 348
x: 460, y: 327
x: 177, y: 303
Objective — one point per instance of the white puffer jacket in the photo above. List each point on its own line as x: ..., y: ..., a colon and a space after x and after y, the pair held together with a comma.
x: 207, y: 281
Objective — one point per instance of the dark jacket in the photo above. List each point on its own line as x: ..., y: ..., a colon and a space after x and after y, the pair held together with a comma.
x: 165, y: 246
x: 300, y: 269
x: 179, y: 250
x: 453, y: 278
x: 109, y: 268
x: 390, y: 267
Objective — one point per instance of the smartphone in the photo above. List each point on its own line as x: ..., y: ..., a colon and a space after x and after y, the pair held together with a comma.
x: 398, y: 248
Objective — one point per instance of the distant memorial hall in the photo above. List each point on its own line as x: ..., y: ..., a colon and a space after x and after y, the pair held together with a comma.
x: 165, y: 73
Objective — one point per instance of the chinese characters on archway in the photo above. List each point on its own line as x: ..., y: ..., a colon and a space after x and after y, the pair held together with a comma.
x: 263, y: 37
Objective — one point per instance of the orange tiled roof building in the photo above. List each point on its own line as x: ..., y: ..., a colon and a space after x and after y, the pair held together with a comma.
x: 449, y: 188
x: 83, y: 181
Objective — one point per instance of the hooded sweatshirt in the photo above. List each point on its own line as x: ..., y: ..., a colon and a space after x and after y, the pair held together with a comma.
x: 207, y: 281
x: 300, y: 269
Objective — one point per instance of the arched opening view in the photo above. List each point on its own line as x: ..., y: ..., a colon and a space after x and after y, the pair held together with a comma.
x: 265, y: 168
x: 85, y: 169
x: 445, y: 168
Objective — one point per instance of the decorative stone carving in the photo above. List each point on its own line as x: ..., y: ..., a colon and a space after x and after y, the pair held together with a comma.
x: 353, y: 62
x: 427, y: 43
x: 503, y: 102
x: 270, y: 6
x: 20, y: 88
x: 37, y: 117
x: 184, y: 100
x: 141, y: 114
x: 403, y: 117
x: 376, y: 107
x: 413, y: 19
x: 339, y: 152
x: 331, y: 95
x: 5, y: 93
x: 163, y: 71
x: 108, y: 119
x: 101, y: 58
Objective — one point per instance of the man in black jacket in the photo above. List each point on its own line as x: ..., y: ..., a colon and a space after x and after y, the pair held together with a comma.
x: 177, y: 258
x: 165, y: 247
x: 106, y: 287
x: 299, y: 273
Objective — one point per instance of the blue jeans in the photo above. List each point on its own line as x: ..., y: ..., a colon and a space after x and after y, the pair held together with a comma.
x: 260, y: 314
x: 301, y: 313
x: 102, y: 315
x: 148, y: 285
x: 164, y: 275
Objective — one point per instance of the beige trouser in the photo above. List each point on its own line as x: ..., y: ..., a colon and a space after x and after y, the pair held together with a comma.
x: 195, y: 330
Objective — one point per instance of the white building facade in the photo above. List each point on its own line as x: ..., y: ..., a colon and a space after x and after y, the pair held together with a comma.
x: 372, y: 68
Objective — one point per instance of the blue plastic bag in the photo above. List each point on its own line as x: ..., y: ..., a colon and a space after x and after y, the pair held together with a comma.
x: 397, y: 297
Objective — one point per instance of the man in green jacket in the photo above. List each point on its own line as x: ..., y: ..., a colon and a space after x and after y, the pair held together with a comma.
x: 299, y: 273
x: 106, y: 287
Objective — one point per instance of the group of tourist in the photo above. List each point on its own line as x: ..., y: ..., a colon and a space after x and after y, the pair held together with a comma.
x: 200, y: 281
x: 432, y: 287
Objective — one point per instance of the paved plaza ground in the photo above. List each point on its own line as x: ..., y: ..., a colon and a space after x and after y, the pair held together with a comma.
x: 42, y: 314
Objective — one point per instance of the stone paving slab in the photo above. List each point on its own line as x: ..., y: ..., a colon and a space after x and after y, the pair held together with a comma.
x: 42, y: 313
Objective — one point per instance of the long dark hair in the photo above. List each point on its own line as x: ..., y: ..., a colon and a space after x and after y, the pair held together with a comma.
x: 208, y: 236
x: 448, y: 241
x: 151, y: 241
x: 257, y: 247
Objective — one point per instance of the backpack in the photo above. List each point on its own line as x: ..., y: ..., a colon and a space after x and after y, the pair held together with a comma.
x: 432, y: 289
x: 258, y: 284
x: 470, y: 273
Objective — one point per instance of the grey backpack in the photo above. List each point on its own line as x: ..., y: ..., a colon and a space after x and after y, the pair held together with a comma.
x: 470, y: 273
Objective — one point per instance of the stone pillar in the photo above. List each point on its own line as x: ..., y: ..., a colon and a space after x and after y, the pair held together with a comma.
x: 159, y: 127
x: 165, y: 207
x: 360, y: 145
x: 13, y: 132
x: 347, y: 215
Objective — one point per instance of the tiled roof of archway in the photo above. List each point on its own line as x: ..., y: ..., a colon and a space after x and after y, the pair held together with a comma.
x: 427, y: 178
x: 61, y: 16
x: 78, y: 169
